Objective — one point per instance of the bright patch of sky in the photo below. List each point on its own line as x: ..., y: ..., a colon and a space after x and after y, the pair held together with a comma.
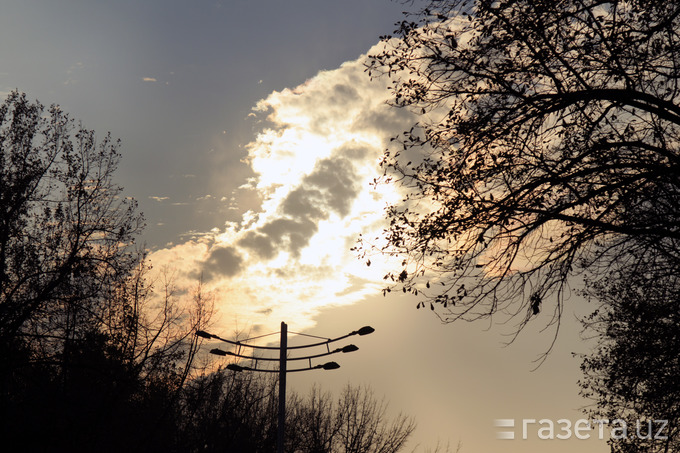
x: 313, y: 163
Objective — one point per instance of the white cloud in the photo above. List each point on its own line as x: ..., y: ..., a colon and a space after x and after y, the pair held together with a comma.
x: 314, y: 165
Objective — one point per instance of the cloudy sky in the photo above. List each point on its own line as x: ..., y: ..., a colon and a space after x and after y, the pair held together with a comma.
x: 250, y: 137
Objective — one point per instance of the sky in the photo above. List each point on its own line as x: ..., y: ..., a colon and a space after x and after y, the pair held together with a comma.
x: 250, y: 136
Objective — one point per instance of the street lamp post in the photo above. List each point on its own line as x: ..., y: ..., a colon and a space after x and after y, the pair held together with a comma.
x: 281, y: 428
x: 283, y: 360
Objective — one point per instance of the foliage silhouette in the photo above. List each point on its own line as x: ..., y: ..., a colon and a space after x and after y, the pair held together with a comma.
x: 91, y: 358
x: 238, y: 412
x: 547, y: 145
x: 632, y: 374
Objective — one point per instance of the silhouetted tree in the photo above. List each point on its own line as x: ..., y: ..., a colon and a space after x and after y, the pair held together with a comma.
x: 119, y: 388
x: 356, y: 423
x: 227, y: 411
x: 66, y: 233
x: 547, y: 143
x: 632, y: 374
x: 92, y: 356
x: 238, y: 412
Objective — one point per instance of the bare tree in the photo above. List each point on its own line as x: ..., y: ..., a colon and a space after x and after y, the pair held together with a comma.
x: 157, y: 327
x: 548, y: 143
x: 66, y: 233
x: 356, y: 423
x: 314, y: 427
x: 225, y: 411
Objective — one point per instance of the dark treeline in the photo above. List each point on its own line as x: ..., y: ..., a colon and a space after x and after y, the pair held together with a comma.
x: 95, y: 356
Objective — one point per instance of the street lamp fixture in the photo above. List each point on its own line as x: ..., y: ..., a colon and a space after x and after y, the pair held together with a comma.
x: 330, y: 366
x: 350, y: 348
x: 364, y: 331
x: 234, y: 367
x: 203, y: 334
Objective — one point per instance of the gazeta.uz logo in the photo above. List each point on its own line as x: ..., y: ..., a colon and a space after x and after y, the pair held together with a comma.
x: 562, y: 429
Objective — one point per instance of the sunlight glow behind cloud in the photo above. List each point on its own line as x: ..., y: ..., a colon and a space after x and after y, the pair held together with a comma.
x: 314, y: 163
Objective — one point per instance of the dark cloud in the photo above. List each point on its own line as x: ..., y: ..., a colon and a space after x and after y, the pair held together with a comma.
x: 338, y: 101
x: 343, y: 94
x: 222, y: 262
x: 330, y: 188
x: 376, y: 120
x: 355, y: 151
x: 290, y: 234
x: 280, y: 234
x: 262, y: 245
x: 304, y: 201
x: 335, y: 178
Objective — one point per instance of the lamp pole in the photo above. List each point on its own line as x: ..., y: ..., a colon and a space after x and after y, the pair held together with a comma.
x: 280, y: 434
x: 283, y: 361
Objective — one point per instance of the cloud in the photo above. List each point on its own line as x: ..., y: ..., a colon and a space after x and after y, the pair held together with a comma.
x: 329, y: 188
x: 314, y: 162
x: 221, y: 262
x: 149, y: 79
